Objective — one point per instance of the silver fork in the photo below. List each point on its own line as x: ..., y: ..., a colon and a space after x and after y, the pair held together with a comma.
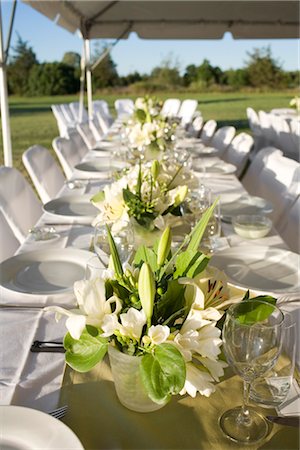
x: 59, y: 413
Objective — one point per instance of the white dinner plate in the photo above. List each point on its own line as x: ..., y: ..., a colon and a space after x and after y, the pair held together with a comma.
x: 203, y: 150
x: 44, y: 272
x: 25, y: 428
x: 77, y: 207
x: 106, y: 144
x: 98, y: 168
x: 213, y: 168
x: 246, y: 204
x: 267, y: 269
x: 229, y: 197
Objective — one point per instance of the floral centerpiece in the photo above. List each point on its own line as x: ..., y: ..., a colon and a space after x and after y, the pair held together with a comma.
x: 147, y: 131
x: 151, y: 194
x: 161, y: 313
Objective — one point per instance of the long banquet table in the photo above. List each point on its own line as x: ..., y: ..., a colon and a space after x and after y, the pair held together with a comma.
x: 41, y: 380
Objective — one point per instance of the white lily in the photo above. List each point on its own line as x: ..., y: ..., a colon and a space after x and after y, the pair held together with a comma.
x: 158, y: 334
x: 93, y: 306
x: 197, y: 381
x: 133, y: 322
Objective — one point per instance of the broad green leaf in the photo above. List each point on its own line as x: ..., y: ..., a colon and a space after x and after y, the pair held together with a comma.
x: 99, y: 197
x: 163, y: 372
x: 114, y: 254
x: 199, y: 229
x: 83, y: 354
x: 190, y: 263
x: 145, y: 254
x: 140, y: 115
x: 170, y: 303
x: 250, y: 314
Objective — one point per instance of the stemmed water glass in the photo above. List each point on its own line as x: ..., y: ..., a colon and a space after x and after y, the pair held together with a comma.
x: 252, y: 337
x: 123, y: 240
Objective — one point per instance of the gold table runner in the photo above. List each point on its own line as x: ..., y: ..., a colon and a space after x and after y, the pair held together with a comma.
x: 101, y: 422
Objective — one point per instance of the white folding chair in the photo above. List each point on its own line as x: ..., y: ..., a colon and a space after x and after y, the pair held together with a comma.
x: 255, y: 127
x: 79, y: 145
x: 18, y: 202
x: 67, y: 154
x: 44, y: 171
x: 87, y: 135
x: 186, y: 111
x: 75, y: 108
x: 101, y: 106
x: 195, y: 127
x: 279, y: 183
x: 289, y: 226
x: 124, y: 107
x: 222, y: 138
x: 284, y: 138
x: 238, y: 151
x: 207, y: 131
x: 170, y: 107
x: 8, y: 243
x: 250, y: 179
x: 62, y: 123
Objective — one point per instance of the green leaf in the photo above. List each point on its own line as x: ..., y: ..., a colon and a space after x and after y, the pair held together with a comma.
x: 83, y: 354
x: 163, y: 372
x: 145, y: 254
x: 250, y: 313
x: 114, y: 254
x: 199, y: 229
x: 99, y: 197
x: 139, y: 181
x: 190, y: 263
x: 140, y: 115
x: 170, y: 303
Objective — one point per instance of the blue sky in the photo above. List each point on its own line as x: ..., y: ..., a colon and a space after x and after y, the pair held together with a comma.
x: 50, y: 42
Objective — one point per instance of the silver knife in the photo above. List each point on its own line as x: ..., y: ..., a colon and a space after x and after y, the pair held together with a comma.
x: 291, y: 421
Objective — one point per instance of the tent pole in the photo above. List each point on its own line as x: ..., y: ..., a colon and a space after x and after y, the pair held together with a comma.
x: 82, y: 81
x: 88, y: 77
x: 7, y: 150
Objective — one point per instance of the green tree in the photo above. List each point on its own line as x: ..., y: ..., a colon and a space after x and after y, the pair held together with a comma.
x: 52, y: 79
x: 105, y: 73
x: 19, y: 67
x: 190, y: 74
x: 236, y: 78
x: 263, y: 70
x: 167, y: 74
x: 72, y: 59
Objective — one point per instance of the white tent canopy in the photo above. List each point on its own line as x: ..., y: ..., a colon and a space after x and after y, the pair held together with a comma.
x: 169, y: 19
x: 156, y: 19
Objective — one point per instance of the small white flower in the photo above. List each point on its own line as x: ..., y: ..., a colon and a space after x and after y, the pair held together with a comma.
x: 132, y: 323
x: 158, y: 334
x: 197, y: 381
x: 109, y: 325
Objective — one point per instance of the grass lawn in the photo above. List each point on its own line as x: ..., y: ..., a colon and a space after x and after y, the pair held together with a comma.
x: 32, y: 121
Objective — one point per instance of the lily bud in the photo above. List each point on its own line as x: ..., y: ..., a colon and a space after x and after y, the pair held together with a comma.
x: 180, y: 195
x: 164, y: 246
x: 146, y: 289
x: 155, y: 169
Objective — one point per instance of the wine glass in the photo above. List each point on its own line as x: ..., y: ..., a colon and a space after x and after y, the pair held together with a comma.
x: 123, y: 240
x: 252, y: 343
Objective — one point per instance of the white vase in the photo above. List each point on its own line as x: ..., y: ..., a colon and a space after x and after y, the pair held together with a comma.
x: 143, y: 236
x: 128, y: 383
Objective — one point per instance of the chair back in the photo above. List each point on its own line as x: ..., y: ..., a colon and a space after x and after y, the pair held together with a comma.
x: 18, y: 202
x: 45, y: 173
x: 170, y: 107
x: 186, y: 111
x: 250, y: 180
x: 222, y: 138
x: 75, y: 109
x: 9, y: 242
x: 67, y: 154
x: 79, y: 145
x: 238, y: 151
x: 289, y: 226
x: 124, y: 107
x: 195, y: 127
x: 102, y: 107
x: 207, y: 131
x: 87, y: 135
